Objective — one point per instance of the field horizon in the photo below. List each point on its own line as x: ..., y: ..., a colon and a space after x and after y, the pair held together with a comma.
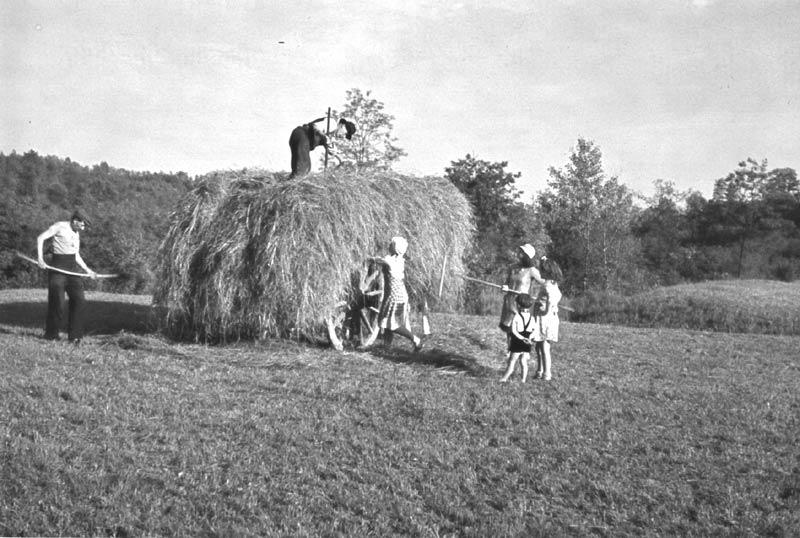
x: 642, y: 432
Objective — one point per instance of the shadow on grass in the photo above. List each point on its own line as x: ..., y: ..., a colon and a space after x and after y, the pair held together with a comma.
x: 102, y: 317
x: 438, y: 352
x: 430, y: 356
x: 477, y: 342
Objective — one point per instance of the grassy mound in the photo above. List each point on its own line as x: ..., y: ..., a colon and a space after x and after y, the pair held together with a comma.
x: 251, y: 255
x: 736, y: 306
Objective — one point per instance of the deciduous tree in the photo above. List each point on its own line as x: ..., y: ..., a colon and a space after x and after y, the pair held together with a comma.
x: 663, y: 230
x: 503, y: 222
x: 588, y: 218
x: 752, y: 202
x: 373, y: 144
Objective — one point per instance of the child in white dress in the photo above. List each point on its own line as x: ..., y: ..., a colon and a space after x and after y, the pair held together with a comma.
x: 546, y: 316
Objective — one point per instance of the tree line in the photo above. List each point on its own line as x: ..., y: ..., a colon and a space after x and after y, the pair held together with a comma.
x: 609, y: 239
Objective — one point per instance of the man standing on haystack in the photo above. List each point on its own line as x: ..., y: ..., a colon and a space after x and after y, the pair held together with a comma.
x: 66, y: 243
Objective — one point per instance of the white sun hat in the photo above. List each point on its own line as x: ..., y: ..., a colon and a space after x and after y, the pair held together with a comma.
x: 528, y: 249
x: 399, y: 245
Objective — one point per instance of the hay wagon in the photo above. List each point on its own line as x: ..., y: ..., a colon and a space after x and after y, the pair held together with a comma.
x: 252, y: 255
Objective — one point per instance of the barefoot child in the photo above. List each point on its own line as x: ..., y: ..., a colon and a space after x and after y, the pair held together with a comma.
x: 546, y: 316
x: 394, y: 317
x: 519, y: 346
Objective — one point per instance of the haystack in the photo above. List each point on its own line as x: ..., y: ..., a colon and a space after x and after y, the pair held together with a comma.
x: 251, y: 255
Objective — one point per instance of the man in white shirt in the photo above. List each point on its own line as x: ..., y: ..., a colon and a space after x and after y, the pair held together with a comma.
x: 66, y: 242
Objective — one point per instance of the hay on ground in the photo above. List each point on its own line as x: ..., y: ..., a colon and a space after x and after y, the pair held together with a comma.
x: 251, y: 255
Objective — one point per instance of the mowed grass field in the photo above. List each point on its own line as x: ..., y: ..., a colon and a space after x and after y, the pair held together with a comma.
x: 643, y: 431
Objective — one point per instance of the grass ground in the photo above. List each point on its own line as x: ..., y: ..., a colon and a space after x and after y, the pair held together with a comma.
x: 641, y: 432
x: 742, y: 306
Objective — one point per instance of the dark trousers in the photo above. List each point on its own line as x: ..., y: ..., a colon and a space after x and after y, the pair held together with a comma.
x: 58, y: 284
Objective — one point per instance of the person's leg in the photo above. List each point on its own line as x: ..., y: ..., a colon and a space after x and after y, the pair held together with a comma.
x: 77, y: 308
x: 546, y: 375
x: 56, y: 285
x: 512, y: 364
x: 524, y: 362
x: 507, y: 331
x: 403, y: 326
x: 388, y: 337
x: 539, y: 360
x: 404, y: 332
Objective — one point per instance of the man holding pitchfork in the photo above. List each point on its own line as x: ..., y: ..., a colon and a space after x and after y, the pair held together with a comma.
x: 65, y: 236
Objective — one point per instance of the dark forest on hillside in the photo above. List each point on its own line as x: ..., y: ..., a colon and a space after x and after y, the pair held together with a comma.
x: 128, y: 212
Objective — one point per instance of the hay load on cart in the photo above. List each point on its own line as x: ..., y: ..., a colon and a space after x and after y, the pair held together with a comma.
x: 251, y: 255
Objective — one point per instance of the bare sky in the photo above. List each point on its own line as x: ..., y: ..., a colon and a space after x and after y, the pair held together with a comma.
x: 673, y: 89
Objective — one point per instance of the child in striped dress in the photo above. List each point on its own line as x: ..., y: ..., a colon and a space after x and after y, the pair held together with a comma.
x: 394, y: 315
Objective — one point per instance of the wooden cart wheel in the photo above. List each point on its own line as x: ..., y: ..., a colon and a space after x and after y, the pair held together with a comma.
x: 363, y: 314
x: 372, y: 293
x: 357, y: 323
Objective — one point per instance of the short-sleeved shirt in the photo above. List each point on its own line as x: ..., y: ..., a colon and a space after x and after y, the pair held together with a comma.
x: 65, y: 239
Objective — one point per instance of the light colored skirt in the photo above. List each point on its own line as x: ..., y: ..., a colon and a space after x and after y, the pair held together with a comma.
x: 395, y: 315
x: 546, y: 328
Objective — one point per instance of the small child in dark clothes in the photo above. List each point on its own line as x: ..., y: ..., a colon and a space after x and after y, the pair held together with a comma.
x: 519, y: 345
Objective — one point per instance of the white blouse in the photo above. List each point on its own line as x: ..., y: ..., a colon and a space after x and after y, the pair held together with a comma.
x: 65, y: 239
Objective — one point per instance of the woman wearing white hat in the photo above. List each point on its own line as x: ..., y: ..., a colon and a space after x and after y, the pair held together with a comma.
x: 520, y: 279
